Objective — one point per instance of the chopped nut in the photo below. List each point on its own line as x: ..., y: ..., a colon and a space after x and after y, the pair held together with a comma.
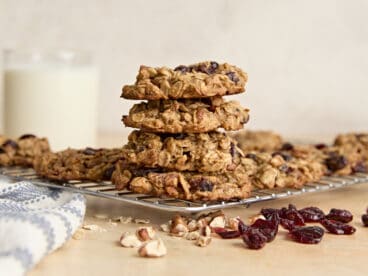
x: 233, y: 223
x: 79, y: 234
x: 218, y: 222
x: 145, y: 233
x: 93, y: 227
x: 205, y: 231
x: 141, y: 221
x: 125, y: 220
x: 153, y: 248
x: 165, y: 228
x: 129, y: 240
x: 100, y: 216
x: 194, y: 235
x: 192, y: 225
x: 201, y: 223
x: 203, y: 241
x: 179, y: 226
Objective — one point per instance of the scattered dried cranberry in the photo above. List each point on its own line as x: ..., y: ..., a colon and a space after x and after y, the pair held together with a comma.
x: 254, y: 238
x: 320, y: 146
x: 365, y: 220
x: 226, y: 234
x: 336, y: 162
x: 287, y: 224
x: 340, y: 215
x: 268, y: 228
x: 312, y: 214
x: 242, y: 227
x: 337, y: 227
x: 268, y: 213
x: 291, y: 213
x: 287, y: 146
x: 26, y: 136
x: 308, y: 234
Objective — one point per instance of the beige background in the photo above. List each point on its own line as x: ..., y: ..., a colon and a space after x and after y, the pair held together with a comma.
x: 307, y: 60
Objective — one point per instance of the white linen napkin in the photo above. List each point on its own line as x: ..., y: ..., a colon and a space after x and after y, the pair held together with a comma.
x: 34, y: 221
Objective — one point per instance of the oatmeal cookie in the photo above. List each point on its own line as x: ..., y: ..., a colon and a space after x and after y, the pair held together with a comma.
x: 183, y: 185
x: 201, y: 80
x: 23, y: 151
x: 71, y: 164
x: 203, y: 152
x: 249, y: 140
x: 187, y: 116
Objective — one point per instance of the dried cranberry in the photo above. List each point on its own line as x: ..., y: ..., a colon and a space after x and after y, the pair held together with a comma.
x: 312, y: 214
x: 365, y: 220
x: 26, y: 136
x: 291, y: 213
x: 307, y: 235
x: 268, y: 228
x: 225, y: 234
x: 287, y: 224
x: 268, y: 213
x: 254, y: 238
x: 251, y: 156
x: 10, y: 143
x: 320, y: 146
x: 340, y: 215
x: 232, y: 76
x: 287, y: 146
x: 337, y: 227
x: 89, y: 151
x: 242, y: 227
x: 205, y: 185
x: 182, y: 69
x: 336, y: 162
x: 108, y: 173
x: 360, y: 167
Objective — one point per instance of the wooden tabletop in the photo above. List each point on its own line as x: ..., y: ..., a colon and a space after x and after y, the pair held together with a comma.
x: 99, y: 253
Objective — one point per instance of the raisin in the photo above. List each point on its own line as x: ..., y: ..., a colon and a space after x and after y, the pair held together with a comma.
x: 336, y: 162
x: 287, y: 224
x: 312, y: 214
x: 242, y: 227
x: 337, y: 227
x: 254, y: 238
x: 268, y: 213
x: 213, y: 67
x: 320, y: 146
x: 108, y: 173
x: 308, y: 234
x: 225, y: 234
x: 182, y: 69
x: 365, y: 220
x: 360, y: 167
x: 291, y: 213
x: 10, y: 143
x: 232, y: 76
x: 340, y: 215
x: 268, y: 228
x: 287, y: 146
x: 26, y: 136
x: 205, y: 185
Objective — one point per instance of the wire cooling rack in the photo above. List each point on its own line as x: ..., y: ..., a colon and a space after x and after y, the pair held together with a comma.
x: 107, y: 190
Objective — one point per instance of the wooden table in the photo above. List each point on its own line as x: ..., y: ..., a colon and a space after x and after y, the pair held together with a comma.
x: 99, y: 253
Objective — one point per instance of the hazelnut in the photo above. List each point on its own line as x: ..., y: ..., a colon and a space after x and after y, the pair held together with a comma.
x: 153, y: 248
x: 203, y: 241
x: 129, y: 240
x: 145, y: 233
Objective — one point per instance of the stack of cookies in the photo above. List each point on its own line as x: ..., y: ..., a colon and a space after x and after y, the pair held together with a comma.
x: 178, y: 151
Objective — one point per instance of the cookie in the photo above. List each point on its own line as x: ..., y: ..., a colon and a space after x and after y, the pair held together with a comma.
x: 23, y: 151
x: 183, y: 185
x: 187, y: 116
x: 71, y: 164
x: 249, y: 140
x: 201, y: 80
x: 203, y: 152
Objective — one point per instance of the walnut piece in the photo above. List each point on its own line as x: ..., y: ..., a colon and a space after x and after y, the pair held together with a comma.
x: 129, y: 240
x: 153, y: 248
x: 179, y: 226
x: 203, y: 241
x: 145, y: 233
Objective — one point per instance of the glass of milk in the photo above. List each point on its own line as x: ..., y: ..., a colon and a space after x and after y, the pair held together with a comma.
x: 53, y: 94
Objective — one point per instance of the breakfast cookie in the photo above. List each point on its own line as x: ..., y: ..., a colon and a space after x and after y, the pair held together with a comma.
x: 202, y: 152
x: 183, y: 185
x: 201, y: 80
x: 187, y: 116
x: 70, y: 164
x: 23, y: 151
x: 260, y: 140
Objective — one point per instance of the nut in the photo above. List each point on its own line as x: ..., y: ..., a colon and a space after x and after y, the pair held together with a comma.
x: 210, y: 216
x: 145, y: 233
x: 192, y: 225
x: 179, y: 226
x: 218, y: 222
x: 233, y: 223
x: 122, y: 219
x: 203, y: 241
x: 141, y: 221
x: 201, y: 223
x: 93, y: 227
x: 153, y: 248
x: 165, y: 228
x: 205, y: 231
x: 129, y: 240
x: 194, y: 235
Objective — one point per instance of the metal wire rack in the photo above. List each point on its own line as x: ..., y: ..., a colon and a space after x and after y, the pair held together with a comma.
x: 107, y: 190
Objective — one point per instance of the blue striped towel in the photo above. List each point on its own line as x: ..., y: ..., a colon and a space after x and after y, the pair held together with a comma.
x: 34, y: 221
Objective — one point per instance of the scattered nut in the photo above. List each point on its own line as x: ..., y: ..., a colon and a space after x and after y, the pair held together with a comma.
x: 218, y: 222
x: 233, y: 223
x: 141, y: 221
x: 179, y: 226
x: 79, y: 234
x: 205, y: 231
x: 153, y: 248
x: 129, y: 240
x: 192, y: 225
x: 194, y: 235
x: 101, y: 216
x: 125, y: 220
x: 201, y: 223
x: 203, y: 241
x: 93, y: 227
x: 146, y: 233
x: 165, y: 228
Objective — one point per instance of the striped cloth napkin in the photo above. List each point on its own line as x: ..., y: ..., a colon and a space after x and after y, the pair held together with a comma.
x: 34, y: 221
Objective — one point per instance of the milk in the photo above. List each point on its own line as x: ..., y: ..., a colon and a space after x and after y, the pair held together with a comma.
x: 57, y: 102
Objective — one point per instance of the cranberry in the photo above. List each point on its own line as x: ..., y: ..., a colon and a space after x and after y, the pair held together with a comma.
x: 291, y: 213
x: 312, y: 214
x: 336, y: 162
x: 268, y: 228
x: 340, y: 215
x: 242, y: 227
x: 287, y: 146
x: 268, y: 213
x: 225, y: 234
x: 365, y: 220
x: 254, y: 238
x: 337, y: 227
x: 287, y: 224
x: 308, y: 234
